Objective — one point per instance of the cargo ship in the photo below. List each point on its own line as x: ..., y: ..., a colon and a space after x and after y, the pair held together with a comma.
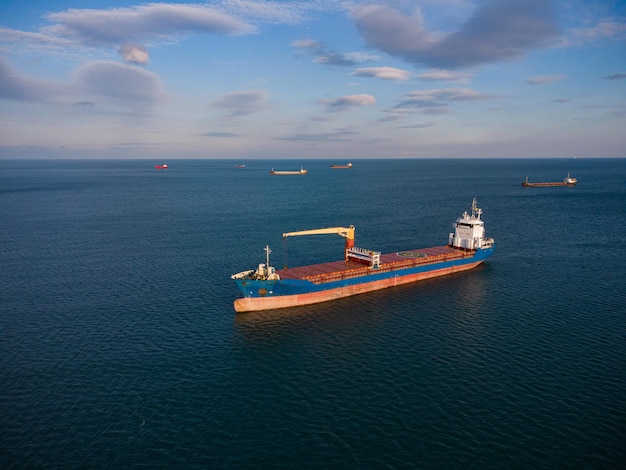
x: 361, y: 270
x: 568, y: 181
x: 301, y: 171
x: 348, y: 165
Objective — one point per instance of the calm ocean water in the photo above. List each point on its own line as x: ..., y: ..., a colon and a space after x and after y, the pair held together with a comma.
x: 119, y: 346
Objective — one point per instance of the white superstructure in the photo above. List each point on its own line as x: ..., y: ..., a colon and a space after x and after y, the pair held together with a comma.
x: 469, y: 231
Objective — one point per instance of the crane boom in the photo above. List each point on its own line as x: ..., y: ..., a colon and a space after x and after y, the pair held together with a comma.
x: 346, y: 232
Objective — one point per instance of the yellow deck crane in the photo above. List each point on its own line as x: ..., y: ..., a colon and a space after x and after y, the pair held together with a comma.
x: 346, y: 232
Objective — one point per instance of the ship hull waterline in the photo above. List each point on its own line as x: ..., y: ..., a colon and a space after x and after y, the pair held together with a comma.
x: 271, y: 302
x: 547, y: 184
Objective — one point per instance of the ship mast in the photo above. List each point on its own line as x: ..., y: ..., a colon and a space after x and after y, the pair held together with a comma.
x: 476, y: 211
x: 267, y: 255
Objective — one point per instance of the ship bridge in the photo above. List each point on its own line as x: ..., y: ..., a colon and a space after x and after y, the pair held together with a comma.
x: 469, y: 231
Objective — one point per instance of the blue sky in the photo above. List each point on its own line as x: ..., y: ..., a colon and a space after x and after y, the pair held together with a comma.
x: 335, y: 79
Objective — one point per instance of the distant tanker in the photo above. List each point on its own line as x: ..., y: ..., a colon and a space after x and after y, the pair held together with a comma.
x: 349, y: 165
x: 566, y: 182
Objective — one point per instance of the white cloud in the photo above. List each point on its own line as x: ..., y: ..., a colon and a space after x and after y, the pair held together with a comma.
x: 120, y: 84
x: 306, y: 44
x: 95, y: 83
x: 140, y: 23
x: 134, y: 53
x: 163, y: 21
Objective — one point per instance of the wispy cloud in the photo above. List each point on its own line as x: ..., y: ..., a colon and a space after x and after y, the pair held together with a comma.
x: 84, y: 104
x: 242, y: 103
x: 270, y: 12
x: 545, y: 79
x: 324, y: 56
x: 607, y: 28
x: 18, y: 87
x: 498, y: 30
x: 154, y: 23
x: 395, y: 114
x: 221, y: 134
x: 425, y: 125
x: 439, y: 75
x: 21, y: 43
x: 279, y: 12
x: 338, y: 136
x: 615, y: 76
x: 447, y: 94
x: 384, y: 73
x: 344, y: 103
x: 436, y: 101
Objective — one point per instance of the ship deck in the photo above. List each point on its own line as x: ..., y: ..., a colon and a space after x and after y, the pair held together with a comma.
x: 337, y: 270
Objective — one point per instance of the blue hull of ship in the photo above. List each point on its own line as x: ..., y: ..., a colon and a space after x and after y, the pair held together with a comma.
x: 286, y: 287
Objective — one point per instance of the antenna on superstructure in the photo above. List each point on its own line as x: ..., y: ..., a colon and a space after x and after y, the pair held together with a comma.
x: 476, y: 211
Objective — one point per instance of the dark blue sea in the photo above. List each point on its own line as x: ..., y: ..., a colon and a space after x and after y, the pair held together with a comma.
x: 120, y: 348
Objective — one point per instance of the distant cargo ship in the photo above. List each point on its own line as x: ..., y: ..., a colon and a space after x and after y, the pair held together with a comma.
x: 362, y: 270
x: 569, y: 181
x: 161, y: 167
x: 349, y: 165
x: 301, y: 171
